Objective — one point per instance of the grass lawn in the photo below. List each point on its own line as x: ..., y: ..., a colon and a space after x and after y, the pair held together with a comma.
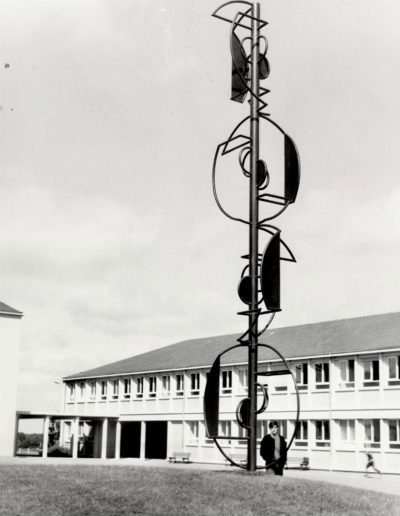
x: 51, y: 490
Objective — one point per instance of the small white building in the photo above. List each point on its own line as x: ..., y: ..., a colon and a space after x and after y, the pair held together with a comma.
x: 348, y: 375
x: 10, y: 336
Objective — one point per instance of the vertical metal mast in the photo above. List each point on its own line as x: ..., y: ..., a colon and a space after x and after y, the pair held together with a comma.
x: 260, y: 277
x: 253, y: 239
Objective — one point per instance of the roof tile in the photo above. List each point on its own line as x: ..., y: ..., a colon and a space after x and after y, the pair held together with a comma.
x: 361, y: 334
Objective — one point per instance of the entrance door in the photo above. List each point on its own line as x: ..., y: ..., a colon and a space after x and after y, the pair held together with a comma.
x: 130, y: 439
x: 156, y: 440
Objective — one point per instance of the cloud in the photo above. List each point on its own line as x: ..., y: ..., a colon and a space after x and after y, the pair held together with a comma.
x: 111, y: 242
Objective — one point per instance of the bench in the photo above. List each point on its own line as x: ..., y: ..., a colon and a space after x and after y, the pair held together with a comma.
x: 238, y: 458
x: 302, y: 462
x: 179, y: 457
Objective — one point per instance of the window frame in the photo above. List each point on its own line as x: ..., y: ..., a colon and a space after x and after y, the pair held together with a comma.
x: 322, y: 368
x: 370, y: 369
x: 262, y: 429
x: 348, y: 382
x: 241, y: 432
x: 375, y: 428
x: 165, y: 385
x: 395, y: 379
x: 226, y: 382
x: 243, y: 382
x: 127, y: 388
x: 93, y: 390
x: 103, y: 389
x: 325, y: 440
x: 152, y: 387
x: 394, y: 443
x: 115, y: 390
x: 301, y: 375
x: 179, y: 385
x: 302, y: 434
x: 349, y: 427
x: 225, y: 429
x: 195, y: 384
x: 81, y: 391
x: 139, y: 383
x: 71, y: 391
x: 194, y: 432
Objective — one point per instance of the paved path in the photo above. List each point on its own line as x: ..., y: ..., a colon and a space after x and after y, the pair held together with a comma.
x: 389, y: 484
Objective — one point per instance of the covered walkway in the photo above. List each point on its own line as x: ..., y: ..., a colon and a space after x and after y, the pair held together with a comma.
x: 104, y: 441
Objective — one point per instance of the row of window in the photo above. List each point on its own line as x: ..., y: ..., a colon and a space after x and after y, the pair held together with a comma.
x: 371, y: 429
x: 129, y: 387
x: 161, y: 385
x: 370, y: 375
x: 134, y: 387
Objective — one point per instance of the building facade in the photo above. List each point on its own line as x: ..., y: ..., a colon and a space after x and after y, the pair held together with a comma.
x: 347, y: 373
x: 10, y: 335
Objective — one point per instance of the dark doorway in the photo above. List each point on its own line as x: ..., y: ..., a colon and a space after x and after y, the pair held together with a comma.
x: 156, y: 440
x: 130, y: 439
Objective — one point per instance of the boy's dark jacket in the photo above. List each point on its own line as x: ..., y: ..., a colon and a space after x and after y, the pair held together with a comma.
x: 267, y: 450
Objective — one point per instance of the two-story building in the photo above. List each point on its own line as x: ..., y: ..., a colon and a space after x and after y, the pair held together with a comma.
x: 347, y: 372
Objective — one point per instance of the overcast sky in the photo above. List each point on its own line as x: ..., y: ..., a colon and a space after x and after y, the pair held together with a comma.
x: 111, y: 243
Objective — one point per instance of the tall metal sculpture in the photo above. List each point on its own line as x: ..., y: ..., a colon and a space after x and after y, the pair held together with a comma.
x: 260, y: 278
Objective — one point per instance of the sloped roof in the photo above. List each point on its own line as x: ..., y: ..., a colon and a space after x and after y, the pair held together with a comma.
x: 361, y: 334
x: 5, y: 309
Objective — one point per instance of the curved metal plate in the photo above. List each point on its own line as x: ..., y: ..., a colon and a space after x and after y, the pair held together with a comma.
x: 239, y: 70
x: 244, y: 289
x: 270, y: 274
x: 262, y: 173
x: 292, y: 170
x: 290, y: 372
x: 211, y: 399
x: 243, y: 413
x: 264, y: 68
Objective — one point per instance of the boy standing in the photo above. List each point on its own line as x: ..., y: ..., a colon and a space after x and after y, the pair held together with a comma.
x: 273, y: 449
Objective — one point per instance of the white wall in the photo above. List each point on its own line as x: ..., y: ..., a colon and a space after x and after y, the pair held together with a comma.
x: 10, y: 328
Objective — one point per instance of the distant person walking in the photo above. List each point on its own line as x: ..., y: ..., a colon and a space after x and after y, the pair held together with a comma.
x: 371, y: 464
x: 273, y: 449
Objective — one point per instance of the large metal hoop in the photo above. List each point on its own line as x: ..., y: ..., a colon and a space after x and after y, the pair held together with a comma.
x: 297, y: 401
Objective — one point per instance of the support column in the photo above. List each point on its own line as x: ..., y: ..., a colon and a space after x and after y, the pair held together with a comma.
x: 143, y: 439
x: 118, y: 440
x: 312, y: 433
x: 75, y: 441
x: 16, y: 435
x: 104, y: 439
x: 45, y: 444
x: 335, y: 438
x: 169, y: 436
x: 359, y: 444
x: 384, y: 436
